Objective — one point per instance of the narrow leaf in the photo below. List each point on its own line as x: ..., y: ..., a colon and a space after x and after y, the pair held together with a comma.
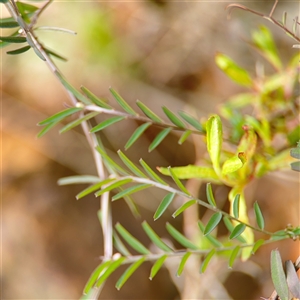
x: 137, y: 133
x: 54, y: 54
x: 131, y: 240
x: 212, y: 223
x: 237, y: 231
x: 257, y: 245
x: 214, y: 139
x: 183, y: 207
x: 157, y: 266
x: 111, y: 268
x: 148, y: 112
x: 207, y: 259
x: 230, y: 228
x: 159, y: 138
x: 233, y: 256
x: 259, y: 217
x: 180, y: 238
x: 71, y: 89
x: 78, y: 179
x: 13, y: 39
x: 236, y: 206
x: 46, y: 129
x: 119, y: 245
x: 131, y: 166
x: 232, y: 165
x: 184, y: 136
x: 60, y: 116
x: 106, y: 123
x: 8, y: 24
x: 110, y: 162
x: 131, y: 190
x: 93, y: 188
x: 18, y: 51
x: 182, y: 263
x: 210, y: 195
x: 95, y: 276
x: 178, y: 182
x: 209, y: 237
x: 278, y: 276
x: 123, y: 103
x: 292, y: 279
x: 173, y: 118
x: 95, y: 99
x: 129, y: 271
x: 151, y: 173
x: 117, y: 183
x: 78, y: 122
x: 155, y: 238
x: 191, y: 120
x: 163, y: 205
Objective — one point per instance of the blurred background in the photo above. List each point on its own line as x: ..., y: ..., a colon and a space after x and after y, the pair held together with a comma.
x: 162, y: 53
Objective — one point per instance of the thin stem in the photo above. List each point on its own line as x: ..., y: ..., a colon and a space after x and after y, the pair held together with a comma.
x: 38, y: 13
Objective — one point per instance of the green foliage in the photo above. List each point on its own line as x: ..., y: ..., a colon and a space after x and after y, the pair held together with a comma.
x: 252, y: 154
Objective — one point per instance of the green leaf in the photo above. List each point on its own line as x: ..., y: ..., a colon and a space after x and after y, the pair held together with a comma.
x: 93, y: 188
x: 137, y: 133
x: 231, y: 165
x: 163, y: 205
x: 95, y: 276
x: 148, y: 112
x: 210, y: 196
x: 233, y: 256
x: 131, y: 166
x: 159, y: 138
x: 257, y: 245
x: 214, y: 140
x: 259, y: 217
x: 237, y: 231
x: 46, y: 129
x: 278, y: 276
x: 209, y: 237
x: 111, y: 268
x: 118, y: 244
x: 182, y: 263
x: 13, y: 39
x: 236, y: 206
x: 129, y: 271
x: 18, y: 51
x: 207, y: 259
x: 183, y: 207
x: 178, y: 182
x: 230, y: 228
x: 184, y: 136
x: 77, y: 122
x: 191, y: 120
x: 212, y: 223
x: 60, y: 116
x: 106, y: 123
x: 54, y: 54
x: 131, y: 190
x: 151, y: 173
x: 173, y: 118
x: 180, y: 238
x: 122, y: 102
x: 155, y: 238
x: 71, y: 89
x: 95, y: 99
x: 131, y: 240
x: 263, y: 40
x: 25, y: 7
x: 157, y: 265
x: 117, y: 183
x: 295, y: 166
x: 292, y: 279
x: 78, y: 179
x: 192, y: 171
x: 4, y: 1
x: 8, y: 24
x: 295, y: 152
x: 232, y: 70
x: 111, y: 163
